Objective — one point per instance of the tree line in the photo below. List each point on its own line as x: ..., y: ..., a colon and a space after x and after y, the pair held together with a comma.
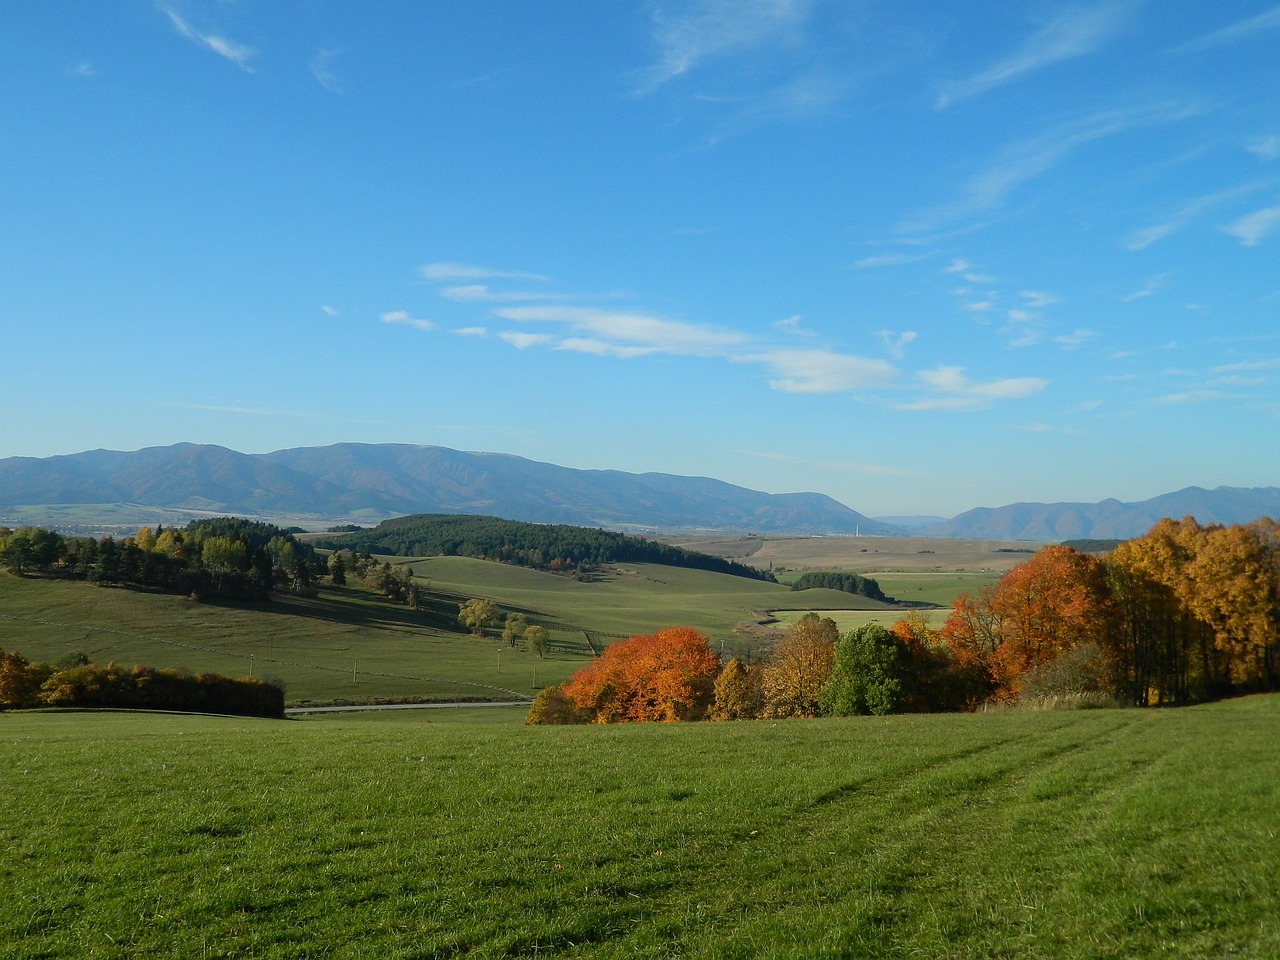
x: 555, y: 547
x: 848, y: 582
x: 1184, y: 613
x: 25, y: 684
x: 220, y: 556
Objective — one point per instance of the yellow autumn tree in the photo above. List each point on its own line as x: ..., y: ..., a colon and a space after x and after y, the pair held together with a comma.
x: 799, y: 667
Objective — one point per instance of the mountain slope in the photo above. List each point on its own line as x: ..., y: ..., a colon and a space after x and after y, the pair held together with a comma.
x: 1109, y: 518
x: 384, y: 480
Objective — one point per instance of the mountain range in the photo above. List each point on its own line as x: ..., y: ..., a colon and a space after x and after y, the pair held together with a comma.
x: 370, y: 482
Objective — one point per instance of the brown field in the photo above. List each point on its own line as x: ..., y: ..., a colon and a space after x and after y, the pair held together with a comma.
x: 866, y: 555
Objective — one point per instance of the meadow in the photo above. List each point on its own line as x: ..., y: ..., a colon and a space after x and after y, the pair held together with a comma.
x: 350, y: 644
x: 1092, y: 834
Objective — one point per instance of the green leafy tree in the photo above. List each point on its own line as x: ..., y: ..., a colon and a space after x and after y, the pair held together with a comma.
x: 872, y: 674
x: 337, y: 569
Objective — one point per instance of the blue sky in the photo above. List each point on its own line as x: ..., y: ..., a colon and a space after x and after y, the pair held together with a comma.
x: 919, y: 256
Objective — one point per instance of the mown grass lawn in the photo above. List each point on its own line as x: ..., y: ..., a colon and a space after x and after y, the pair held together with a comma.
x: 1009, y: 834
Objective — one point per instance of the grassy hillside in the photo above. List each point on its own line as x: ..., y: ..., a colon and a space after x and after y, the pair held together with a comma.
x: 347, y: 643
x: 343, y: 644
x: 1106, y: 834
x: 635, y: 598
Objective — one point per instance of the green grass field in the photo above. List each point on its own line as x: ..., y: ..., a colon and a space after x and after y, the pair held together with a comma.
x: 938, y: 588
x: 847, y: 620
x: 1100, y: 834
x: 345, y: 644
x: 349, y: 644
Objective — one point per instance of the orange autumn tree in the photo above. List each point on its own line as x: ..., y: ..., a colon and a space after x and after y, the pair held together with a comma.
x: 1055, y: 602
x: 1041, y: 609
x: 664, y: 676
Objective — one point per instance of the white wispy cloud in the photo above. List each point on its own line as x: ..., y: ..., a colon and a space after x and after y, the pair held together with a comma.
x: 237, y: 53
x: 1270, y: 363
x: 822, y: 371
x: 1074, y: 33
x: 1233, y: 33
x: 632, y: 330
x: 1264, y: 147
x: 809, y: 95
x: 1037, y: 299
x: 483, y: 293
x: 1075, y: 338
x: 896, y: 343
x: 1153, y: 286
x: 523, y: 341
x: 1200, y: 395
x: 603, y: 348
x: 402, y: 318
x: 82, y: 69
x: 964, y: 269
x: 458, y: 272
x: 329, y: 311
x: 630, y: 334
x: 889, y: 260
x: 472, y: 331
x: 952, y: 390
x: 1027, y: 160
x: 1252, y: 228
x: 1189, y: 212
x: 690, y: 33
x: 323, y: 72
x: 792, y: 326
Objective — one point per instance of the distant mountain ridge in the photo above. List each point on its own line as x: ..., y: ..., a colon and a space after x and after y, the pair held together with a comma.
x: 1109, y: 518
x: 372, y: 482
x: 377, y: 481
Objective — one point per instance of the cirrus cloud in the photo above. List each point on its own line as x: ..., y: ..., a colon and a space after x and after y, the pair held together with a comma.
x: 823, y: 371
x: 954, y: 391
x: 633, y: 330
x: 402, y: 318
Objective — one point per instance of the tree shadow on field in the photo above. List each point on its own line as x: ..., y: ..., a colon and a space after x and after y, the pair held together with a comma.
x: 353, y: 609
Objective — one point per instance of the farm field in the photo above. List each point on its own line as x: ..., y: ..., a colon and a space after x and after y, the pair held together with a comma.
x: 1094, y: 834
x: 635, y: 598
x: 936, y: 588
x: 866, y: 555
